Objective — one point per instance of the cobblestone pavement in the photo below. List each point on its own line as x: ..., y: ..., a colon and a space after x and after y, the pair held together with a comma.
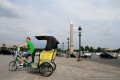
x: 67, y: 69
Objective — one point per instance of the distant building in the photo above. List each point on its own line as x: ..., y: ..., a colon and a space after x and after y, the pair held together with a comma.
x: 1, y: 45
x: 4, y: 46
x: 105, y: 49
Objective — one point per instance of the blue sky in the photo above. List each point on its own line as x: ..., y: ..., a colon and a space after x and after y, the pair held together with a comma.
x: 99, y: 19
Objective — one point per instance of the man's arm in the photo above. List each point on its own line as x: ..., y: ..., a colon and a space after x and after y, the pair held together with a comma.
x: 23, y: 45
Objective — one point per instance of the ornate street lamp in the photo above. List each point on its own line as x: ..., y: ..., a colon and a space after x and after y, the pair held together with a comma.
x: 79, y: 56
x: 68, y: 48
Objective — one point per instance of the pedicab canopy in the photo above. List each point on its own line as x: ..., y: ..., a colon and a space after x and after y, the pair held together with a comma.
x: 52, y: 42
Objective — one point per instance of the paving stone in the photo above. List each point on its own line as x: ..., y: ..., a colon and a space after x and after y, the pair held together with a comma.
x: 66, y: 79
x: 64, y: 76
x: 30, y: 77
x: 77, y: 78
x: 67, y: 69
x: 44, y: 78
x: 5, y: 78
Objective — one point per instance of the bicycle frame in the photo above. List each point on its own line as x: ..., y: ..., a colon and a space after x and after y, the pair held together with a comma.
x: 18, y: 58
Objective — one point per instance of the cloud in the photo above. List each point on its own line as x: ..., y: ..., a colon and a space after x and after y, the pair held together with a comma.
x: 108, y: 34
x: 99, y: 21
x: 9, y: 10
x: 8, y: 42
x: 88, y: 10
x: 110, y: 31
x: 95, y: 26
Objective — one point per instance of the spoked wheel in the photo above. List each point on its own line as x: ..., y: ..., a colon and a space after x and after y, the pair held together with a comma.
x: 13, y: 66
x: 54, y: 63
x: 46, y: 69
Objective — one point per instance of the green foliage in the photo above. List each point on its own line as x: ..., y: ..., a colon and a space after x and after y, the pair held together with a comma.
x: 59, y: 50
x: 114, y: 50
x: 82, y: 48
x: 76, y: 50
x: 91, y: 49
x: 118, y: 50
x: 38, y: 49
x: 86, y: 48
x: 64, y: 51
x: 99, y: 49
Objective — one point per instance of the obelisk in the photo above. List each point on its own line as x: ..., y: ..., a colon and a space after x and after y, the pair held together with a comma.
x: 71, y: 38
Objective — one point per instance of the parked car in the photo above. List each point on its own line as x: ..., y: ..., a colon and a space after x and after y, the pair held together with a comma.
x: 60, y: 54
x: 4, y: 52
x: 72, y: 55
x: 108, y: 55
x: 86, y: 54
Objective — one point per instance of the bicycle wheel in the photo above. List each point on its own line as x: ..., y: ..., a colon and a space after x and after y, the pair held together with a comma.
x: 54, y: 63
x: 46, y: 69
x: 13, y: 66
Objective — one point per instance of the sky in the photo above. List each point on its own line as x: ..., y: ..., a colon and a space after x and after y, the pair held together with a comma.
x: 99, y: 20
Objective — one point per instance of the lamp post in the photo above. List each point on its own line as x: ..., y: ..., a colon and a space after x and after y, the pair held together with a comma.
x: 62, y: 46
x: 79, y: 56
x: 68, y: 48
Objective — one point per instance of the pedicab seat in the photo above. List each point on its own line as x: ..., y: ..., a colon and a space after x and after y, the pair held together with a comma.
x: 47, y: 56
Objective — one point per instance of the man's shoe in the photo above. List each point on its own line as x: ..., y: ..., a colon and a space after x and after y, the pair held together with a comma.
x: 21, y: 65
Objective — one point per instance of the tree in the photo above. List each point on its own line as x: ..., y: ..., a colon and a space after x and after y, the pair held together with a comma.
x: 114, y: 50
x: 91, y: 49
x: 86, y: 48
x: 99, y: 49
x: 59, y: 50
x: 64, y: 51
x: 76, y: 50
x: 38, y: 49
x: 82, y: 48
x: 108, y: 51
x: 118, y: 50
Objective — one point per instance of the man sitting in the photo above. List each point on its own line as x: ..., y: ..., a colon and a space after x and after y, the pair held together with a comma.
x: 29, y: 52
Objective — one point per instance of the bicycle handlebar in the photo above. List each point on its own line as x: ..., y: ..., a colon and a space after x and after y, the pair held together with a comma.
x: 17, y: 50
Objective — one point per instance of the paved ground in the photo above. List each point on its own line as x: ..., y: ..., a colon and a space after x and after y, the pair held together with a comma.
x: 112, y: 62
x: 67, y: 69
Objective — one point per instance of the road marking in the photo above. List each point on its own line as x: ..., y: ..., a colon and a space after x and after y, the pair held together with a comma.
x: 36, y: 78
x: 75, y: 72
x: 25, y: 77
x: 15, y: 76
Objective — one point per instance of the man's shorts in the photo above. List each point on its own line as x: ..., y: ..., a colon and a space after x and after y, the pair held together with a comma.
x: 27, y: 54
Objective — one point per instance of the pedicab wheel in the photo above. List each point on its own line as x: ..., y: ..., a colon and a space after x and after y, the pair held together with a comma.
x: 46, y: 69
x: 54, y: 65
x: 13, y: 66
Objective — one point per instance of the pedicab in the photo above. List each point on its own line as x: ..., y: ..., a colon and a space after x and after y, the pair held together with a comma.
x: 46, y: 63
